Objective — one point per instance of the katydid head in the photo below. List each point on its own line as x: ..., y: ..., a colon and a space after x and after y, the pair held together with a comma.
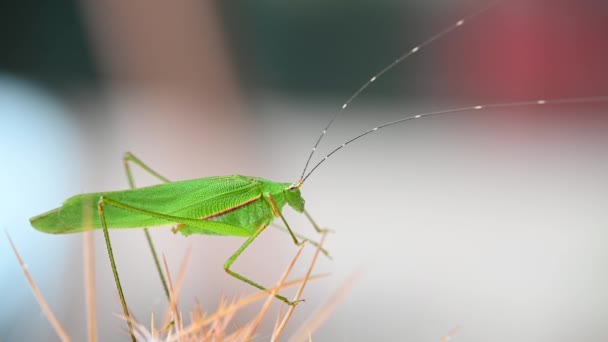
x: 282, y: 193
x: 294, y: 198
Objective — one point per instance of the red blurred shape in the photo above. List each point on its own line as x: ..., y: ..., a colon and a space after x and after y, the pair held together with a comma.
x: 527, y: 50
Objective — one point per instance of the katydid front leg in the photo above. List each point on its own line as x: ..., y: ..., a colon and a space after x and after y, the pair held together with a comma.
x: 314, y: 224
x: 312, y: 242
x: 272, y: 204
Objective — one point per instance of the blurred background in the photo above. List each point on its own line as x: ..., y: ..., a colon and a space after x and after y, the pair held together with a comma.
x: 492, y: 221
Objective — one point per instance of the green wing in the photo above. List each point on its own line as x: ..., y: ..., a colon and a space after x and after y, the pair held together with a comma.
x: 191, y: 199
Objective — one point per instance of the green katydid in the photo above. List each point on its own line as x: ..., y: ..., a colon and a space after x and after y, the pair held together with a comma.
x: 226, y: 205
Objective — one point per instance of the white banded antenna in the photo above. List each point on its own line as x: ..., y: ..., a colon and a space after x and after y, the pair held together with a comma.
x: 385, y: 70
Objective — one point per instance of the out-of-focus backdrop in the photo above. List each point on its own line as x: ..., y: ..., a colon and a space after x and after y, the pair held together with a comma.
x: 492, y: 221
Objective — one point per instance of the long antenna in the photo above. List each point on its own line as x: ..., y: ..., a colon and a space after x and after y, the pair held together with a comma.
x: 459, y: 110
x: 388, y: 68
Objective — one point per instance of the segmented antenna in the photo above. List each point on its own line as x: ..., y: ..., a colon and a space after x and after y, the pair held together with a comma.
x: 460, y: 110
x: 385, y: 70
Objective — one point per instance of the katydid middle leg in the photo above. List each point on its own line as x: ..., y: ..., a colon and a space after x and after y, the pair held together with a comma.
x: 129, y: 157
x: 238, y: 252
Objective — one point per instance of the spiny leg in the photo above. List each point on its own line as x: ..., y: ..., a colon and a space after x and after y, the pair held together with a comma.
x: 129, y: 157
x: 106, y: 235
x: 236, y: 254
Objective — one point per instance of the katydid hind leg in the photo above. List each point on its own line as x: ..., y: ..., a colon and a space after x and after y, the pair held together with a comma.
x: 238, y: 276
x: 127, y: 158
x: 104, y: 201
x: 106, y: 234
